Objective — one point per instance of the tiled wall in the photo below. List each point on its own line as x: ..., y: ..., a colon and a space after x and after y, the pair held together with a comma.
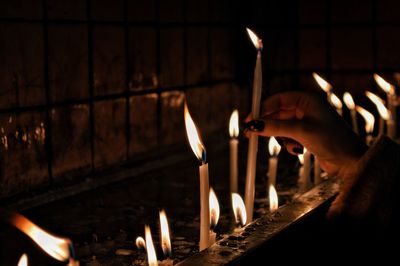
x: 90, y: 84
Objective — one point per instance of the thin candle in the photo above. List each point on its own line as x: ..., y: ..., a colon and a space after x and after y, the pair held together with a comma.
x: 369, y: 123
x: 239, y: 209
x: 233, y: 146
x: 348, y: 100
x: 335, y: 101
x: 199, y: 150
x: 273, y: 198
x: 383, y: 112
x: 151, y: 252
x: 274, y: 149
x: 214, y: 215
x: 304, y: 182
x: 253, y: 140
x: 165, y: 240
x: 324, y: 85
x: 390, y: 91
x: 317, y: 171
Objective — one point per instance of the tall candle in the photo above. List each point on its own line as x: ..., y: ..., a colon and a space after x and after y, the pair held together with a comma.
x: 369, y: 123
x: 317, y: 171
x: 214, y: 215
x: 392, y: 103
x: 324, y: 85
x: 273, y: 198
x: 304, y: 182
x: 335, y: 101
x: 274, y: 149
x: 348, y: 100
x: 253, y: 140
x: 384, y: 114
x: 233, y: 146
x: 199, y: 150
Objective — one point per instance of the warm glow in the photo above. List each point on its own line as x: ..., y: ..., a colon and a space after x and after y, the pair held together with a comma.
x: 368, y: 117
x: 193, y: 137
x: 140, y: 243
x: 239, y: 209
x: 348, y: 100
x: 151, y: 252
x: 23, y: 261
x: 165, y: 237
x: 322, y: 83
x: 384, y: 85
x: 337, y: 103
x: 255, y: 40
x: 214, y: 209
x: 234, y: 124
x: 273, y: 147
x: 273, y: 199
x: 301, y: 156
x: 56, y: 247
x: 379, y: 103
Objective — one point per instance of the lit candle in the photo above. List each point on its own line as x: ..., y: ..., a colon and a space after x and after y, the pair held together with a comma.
x: 253, y: 140
x: 304, y: 182
x: 274, y: 149
x: 23, y: 261
x: 369, y: 123
x: 392, y: 103
x: 199, y: 150
x: 233, y: 145
x: 239, y: 210
x: 165, y: 240
x: 348, y: 100
x: 383, y: 112
x: 337, y: 103
x: 214, y: 215
x: 151, y: 252
x: 273, y: 199
x: 324, y: 85
x: 140, y: 243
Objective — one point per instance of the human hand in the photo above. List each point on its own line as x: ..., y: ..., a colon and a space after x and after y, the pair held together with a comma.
x: 311, y: 121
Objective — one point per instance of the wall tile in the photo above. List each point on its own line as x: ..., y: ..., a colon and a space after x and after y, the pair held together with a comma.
x: 71, y: 141
x: 143, y: 123
x: 197, y: 11
x: 312, y: 12
x: 388, y: 41
x: 21, y: 9
x: 351, y: 11
x: 73, y: 9
x: 223, y: 54
x: 172, y: 121
x: 279, y: 51
x: 171, y: 10
x: 388, y: 10
x: 142, y: 58
x: 197, y: 55
x: 224, y: 10
x: 356, y: 84
x: 109, y: 60
x: 139, y: 10
x: 108, y: 9
x: 23, y: 158
x: 21, y: 67
x: 312, y: 49
x: 351, y: 48
x: 110, y: 133
x: 172, y: 57
x: 68, y: 59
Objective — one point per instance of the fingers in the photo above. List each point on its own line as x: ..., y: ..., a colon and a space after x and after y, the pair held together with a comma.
x: 293, y: 147
x: 283, y: 101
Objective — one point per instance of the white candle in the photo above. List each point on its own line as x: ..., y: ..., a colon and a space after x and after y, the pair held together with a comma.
x: 392, y: 103
x: 165, y: 236
x: 253, y: 140
x: 233, y: 146
x: 335, y: 101
x: 348, y: 100
x: 324, y: 85
x: 239, y: 209
x: 304, y: 182
x: 273, y: 199
x: 384, y: 114
x: 274, y: 149
x: 369, y: 123
x: 317, y: 171
x: 214, y: 215
x: 199, y: 150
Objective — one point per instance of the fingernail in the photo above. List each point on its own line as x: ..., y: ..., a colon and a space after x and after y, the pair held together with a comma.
x: 298, y: 150
x: 255, y: 125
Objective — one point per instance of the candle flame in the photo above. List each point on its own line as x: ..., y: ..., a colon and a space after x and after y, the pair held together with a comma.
x: 239, y: 209
x: 384, y: 85
x: 273, y: 198
x: 254, y: 39
x: 273, y: 147
x: 368, y: 117
x: 140, y: 243
x: 214, y: 209
x: 57, y: 247
x: 337, y: 103
x: 322, y: 83
x: 151, y: 252
x: 348, y: 100
x: 193, y: 137
x: 379, y: 103
x: 165, y: 236
x: 23, y: 261
x: 234, y: 124
x: 301, y: 156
